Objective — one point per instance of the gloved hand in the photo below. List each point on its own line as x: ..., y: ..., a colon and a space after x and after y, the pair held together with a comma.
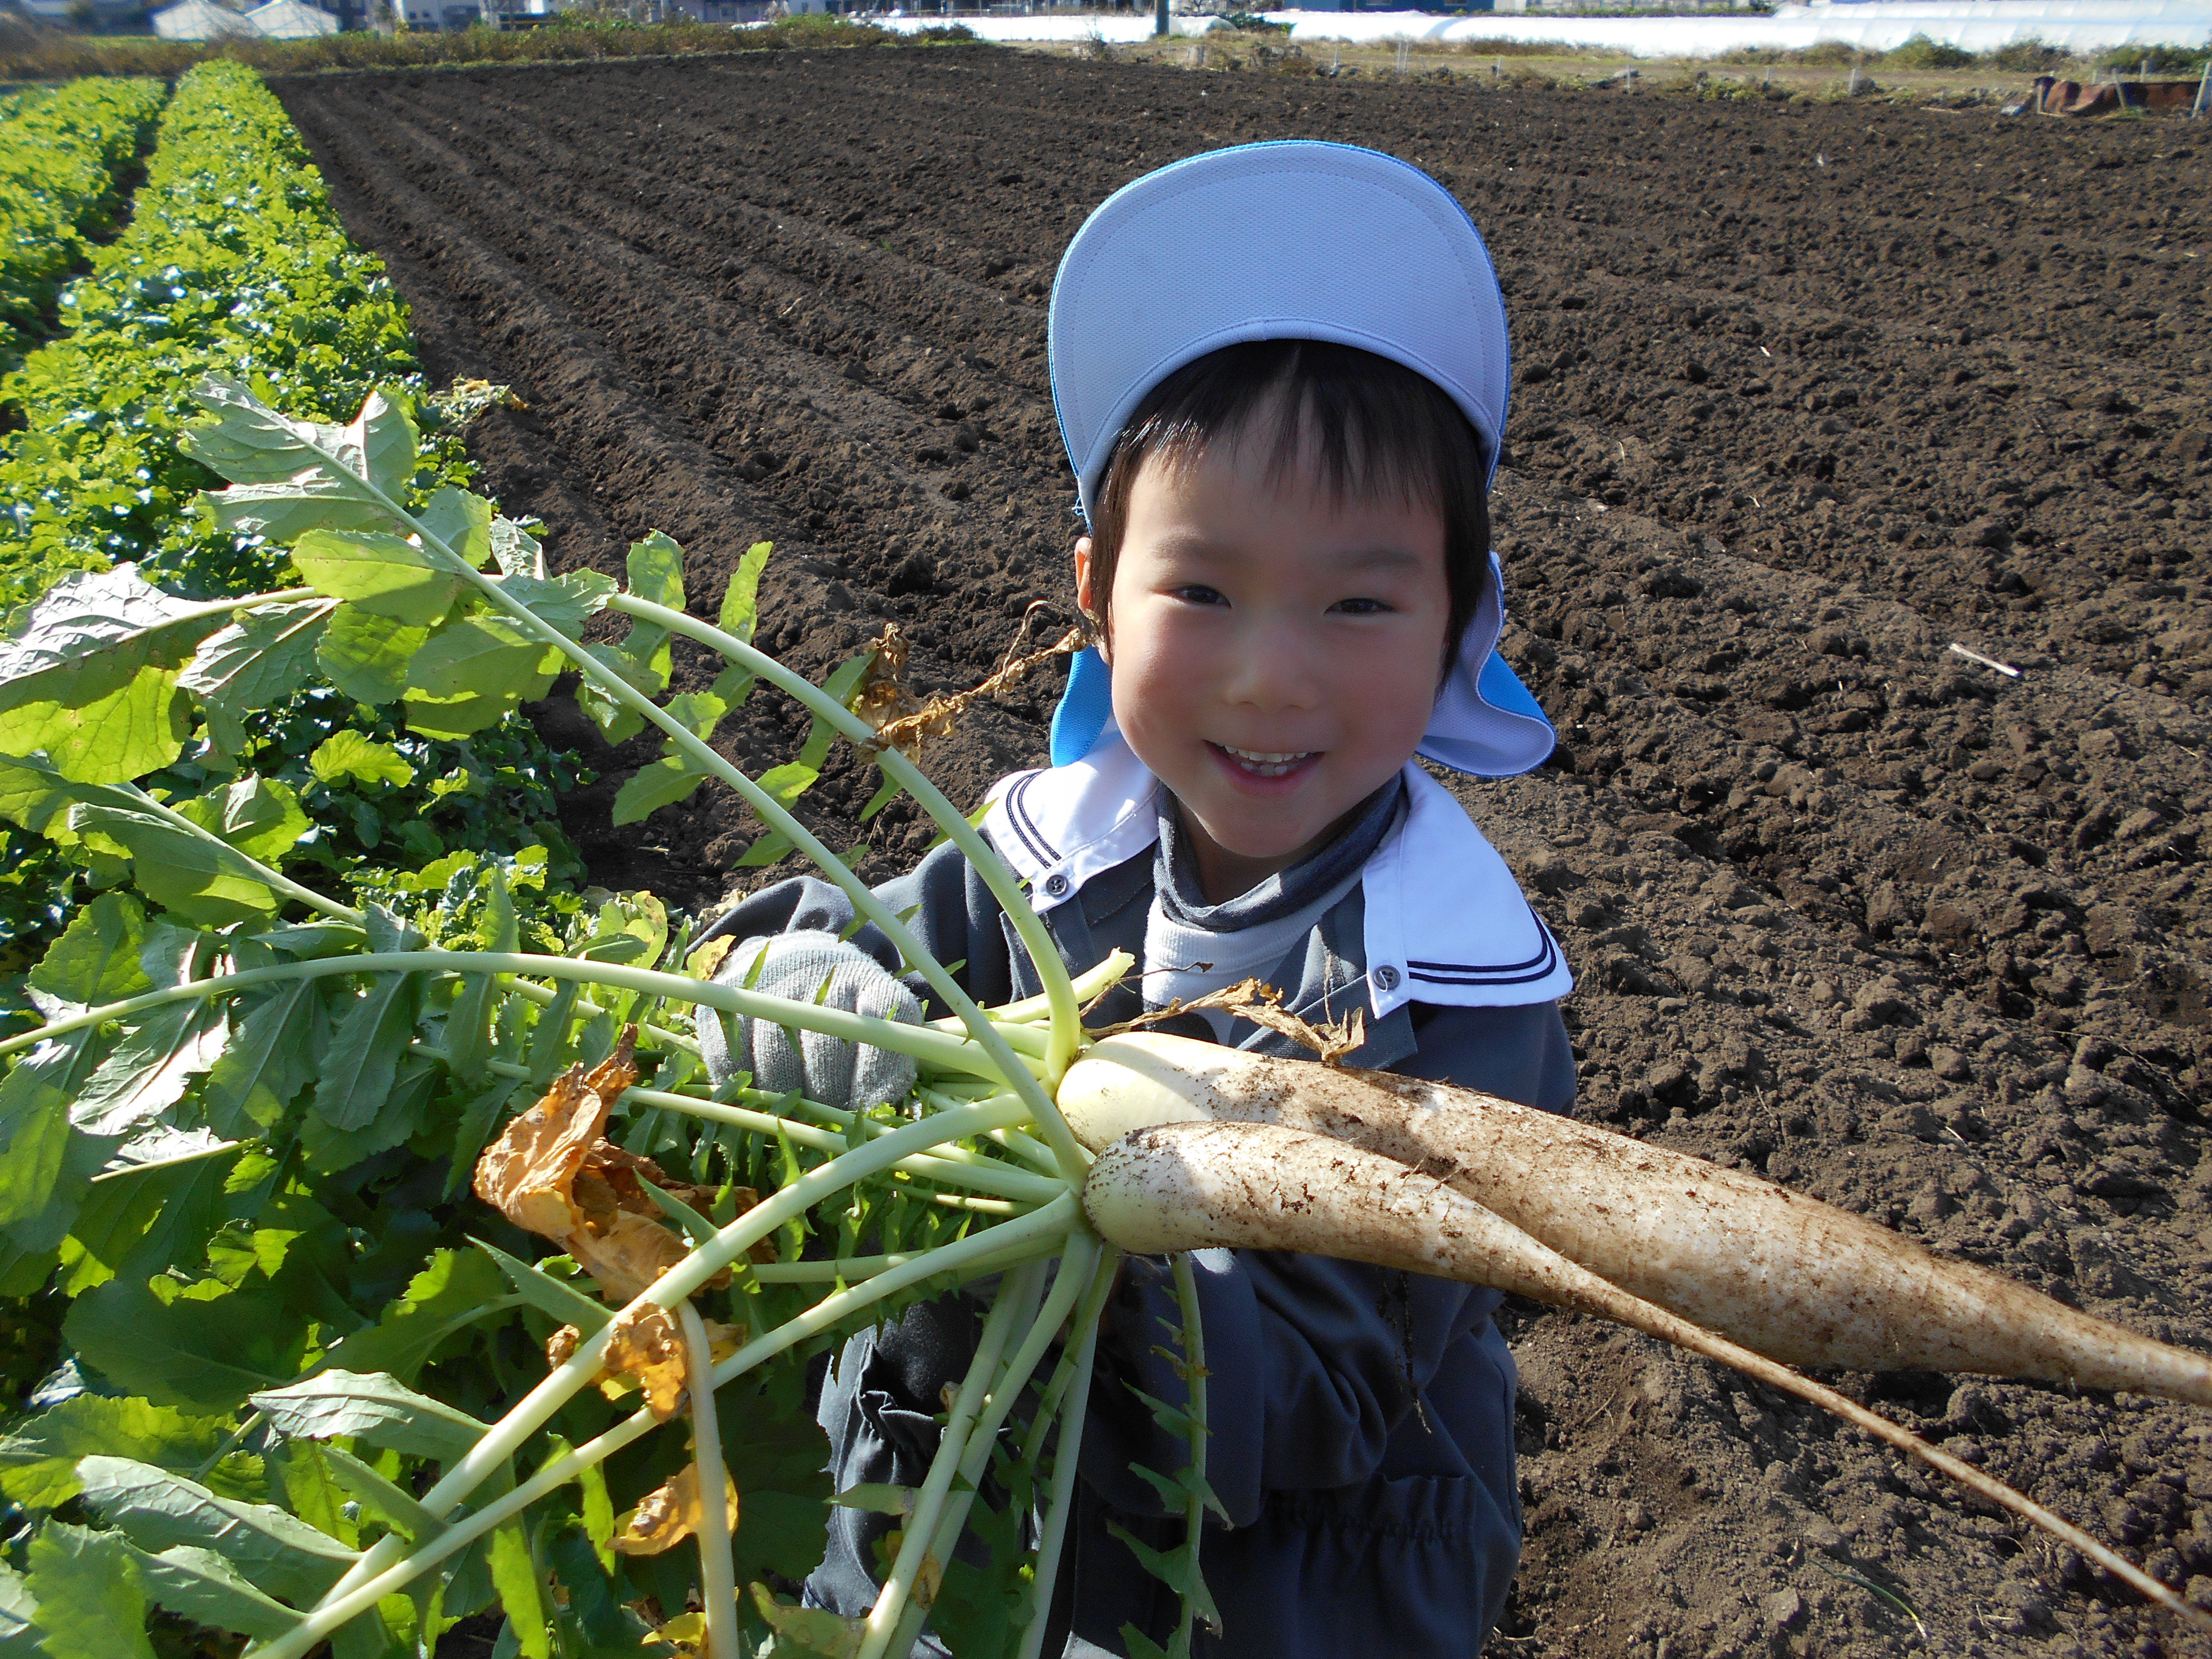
x: 826, y: 1069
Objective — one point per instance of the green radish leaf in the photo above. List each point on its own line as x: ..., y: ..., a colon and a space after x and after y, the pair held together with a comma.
x: 280, y: 513
x: 549, y: 1295
x: 655, y: 568
x: 565, y: 603
x: 389, y: 1503
x: 263, y: 1069
x: 698, y: 713
x: 248, y: 442
x: 312, y: 1493
x: 462, y: 521
x: 521, y: 1585
x: 734, y: 685
x: 365, y: 655
x: 198, y: 1585
x: 377, y: 1408
x: 201, y: 1346
x: 38, y: 1458
x: 91, y: 1602
x: 455, y: 1291
x: 518, y: 551
x: 740, y: 613
x: 135, y: 1217
x: 348, y: 756
x: 105, y: 726
x: 200, y: 879
x: 1141, y: 1646
x: 37, y: 1205
x: 617, y: 723
x: 644, y: 659
x: 381, y: 573
x: 810, y: 1630
x: 885, y: 794
x: 597, y: 1514
x: 473, y: 1133
x: 96, y: 630
x: 19, y: 1635
x: 1173, y: 1568
x: 662, y: 783
x: 469, y: 1023
x: 628, y: 928
x: 472, y: 671
x: 372, y: 1034
x: 96, y: 959
x: 157, y: 1510
x: 779, y: 1463
x: 36, y: 796
x: 260, y: 816
x: 150, y: 1067
x: 789, y: 782
x: 253, y: 664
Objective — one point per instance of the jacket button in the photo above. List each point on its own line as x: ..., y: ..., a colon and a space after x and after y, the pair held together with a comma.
x: 1056, y: 883
x: 1386, y: 977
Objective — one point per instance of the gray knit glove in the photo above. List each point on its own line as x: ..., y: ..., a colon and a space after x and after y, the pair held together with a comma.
x: 826, y: 1069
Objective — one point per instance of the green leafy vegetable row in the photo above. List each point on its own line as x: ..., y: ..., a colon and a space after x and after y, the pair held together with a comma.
x: 234, y: 261
x: 59, y: 152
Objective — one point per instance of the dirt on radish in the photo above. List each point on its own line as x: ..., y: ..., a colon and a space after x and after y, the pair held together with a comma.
x: 1803, y: 395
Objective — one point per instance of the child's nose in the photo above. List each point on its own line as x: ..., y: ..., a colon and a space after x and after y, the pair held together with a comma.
x: 1273, y: 667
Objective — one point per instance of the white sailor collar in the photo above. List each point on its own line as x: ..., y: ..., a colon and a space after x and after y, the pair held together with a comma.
x: 1445, y: 920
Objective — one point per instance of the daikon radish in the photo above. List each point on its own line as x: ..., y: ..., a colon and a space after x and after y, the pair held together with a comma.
x: 1252, y: 1186
x: 1786, y: 1275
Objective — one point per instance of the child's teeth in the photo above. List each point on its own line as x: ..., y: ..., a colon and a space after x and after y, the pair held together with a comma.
x: 1268, y: 765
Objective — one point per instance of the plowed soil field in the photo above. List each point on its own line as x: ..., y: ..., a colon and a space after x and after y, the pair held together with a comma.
x: 1804, y: 396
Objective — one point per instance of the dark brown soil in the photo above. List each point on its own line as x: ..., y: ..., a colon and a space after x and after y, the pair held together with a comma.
x: 1805, y: 395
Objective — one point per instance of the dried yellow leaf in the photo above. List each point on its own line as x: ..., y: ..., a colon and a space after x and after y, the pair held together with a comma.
x: 702, y: 962
x: 629, y: 1256
x: 561, y: 1346
x: 668, y: 1515
x: 645, y: 1344
x: 529, y: 1173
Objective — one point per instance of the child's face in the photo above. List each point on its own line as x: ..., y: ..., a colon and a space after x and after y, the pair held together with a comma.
x: 1275, y: 654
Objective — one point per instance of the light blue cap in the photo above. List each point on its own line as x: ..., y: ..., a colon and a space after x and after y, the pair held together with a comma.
x: 1295, y: 241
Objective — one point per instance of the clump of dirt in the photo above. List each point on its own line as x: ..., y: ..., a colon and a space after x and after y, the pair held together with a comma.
x: 1803, y: 397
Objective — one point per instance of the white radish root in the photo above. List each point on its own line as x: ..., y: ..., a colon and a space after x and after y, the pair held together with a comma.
x: 1792, y: 1277
x: 1247, y: 1186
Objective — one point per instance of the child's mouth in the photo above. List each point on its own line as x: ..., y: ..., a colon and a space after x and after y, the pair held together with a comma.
x: 1261, y: 763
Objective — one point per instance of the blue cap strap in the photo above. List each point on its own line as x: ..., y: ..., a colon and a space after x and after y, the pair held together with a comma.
x: 1085, y: 707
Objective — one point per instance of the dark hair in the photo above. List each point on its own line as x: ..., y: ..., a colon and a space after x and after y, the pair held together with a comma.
x: 1376, y: 429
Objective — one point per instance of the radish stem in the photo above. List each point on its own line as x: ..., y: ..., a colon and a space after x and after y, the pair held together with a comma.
x: 379, y: 1573
x: 718, y: 1575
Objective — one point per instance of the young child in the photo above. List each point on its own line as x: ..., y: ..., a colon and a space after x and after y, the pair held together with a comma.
x: 1281, y: 374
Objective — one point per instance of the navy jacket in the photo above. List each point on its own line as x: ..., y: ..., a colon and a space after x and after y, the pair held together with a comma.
x: 1362, y: 1419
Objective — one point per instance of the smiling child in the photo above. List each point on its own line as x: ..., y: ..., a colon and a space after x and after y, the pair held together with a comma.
x: 1281, y: 372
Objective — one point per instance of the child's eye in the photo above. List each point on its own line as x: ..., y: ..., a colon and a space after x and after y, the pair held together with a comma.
x: 1197, y: 593
x: 1360, y: 607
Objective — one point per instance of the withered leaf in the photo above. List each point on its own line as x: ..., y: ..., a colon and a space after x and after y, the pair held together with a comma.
x: 645, y: 1349
x: 529, y: 1173
x: 629, y: 1256
x: 668, y: 1515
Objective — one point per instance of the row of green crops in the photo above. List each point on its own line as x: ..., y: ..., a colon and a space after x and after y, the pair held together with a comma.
x: 59, y: 152
x: 235, y: 262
